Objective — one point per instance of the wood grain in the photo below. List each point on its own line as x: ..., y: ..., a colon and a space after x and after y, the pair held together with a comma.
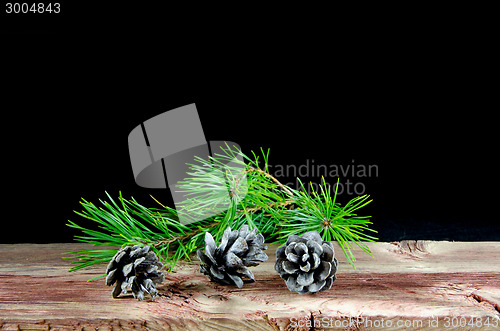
x: 429, y: 284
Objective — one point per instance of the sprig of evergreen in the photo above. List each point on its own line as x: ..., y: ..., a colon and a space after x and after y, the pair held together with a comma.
x: 255, y: 198
x: 319, y: 211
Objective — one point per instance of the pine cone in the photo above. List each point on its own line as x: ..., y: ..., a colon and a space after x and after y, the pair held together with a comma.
x: 135, y: 268
x: 228, y: 263
x: 307, y: 263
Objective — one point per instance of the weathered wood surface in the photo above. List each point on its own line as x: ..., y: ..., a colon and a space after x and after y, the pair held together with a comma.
x: 407, y: 285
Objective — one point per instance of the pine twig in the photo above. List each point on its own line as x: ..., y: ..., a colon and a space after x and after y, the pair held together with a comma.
x: 285, y: 211
x: 265, y: 174
x: 181, y: 238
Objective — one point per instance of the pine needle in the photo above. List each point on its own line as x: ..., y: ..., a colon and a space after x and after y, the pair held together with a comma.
x: 243, y: 192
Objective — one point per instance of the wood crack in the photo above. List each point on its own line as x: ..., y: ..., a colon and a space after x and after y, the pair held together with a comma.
x: 481, y: 299
x: 312, y: 322
x: 271, y: 322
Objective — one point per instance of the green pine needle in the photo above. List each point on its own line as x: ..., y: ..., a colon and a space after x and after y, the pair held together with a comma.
x: 255, y: 198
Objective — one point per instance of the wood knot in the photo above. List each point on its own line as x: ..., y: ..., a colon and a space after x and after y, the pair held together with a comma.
x: 412, y: 248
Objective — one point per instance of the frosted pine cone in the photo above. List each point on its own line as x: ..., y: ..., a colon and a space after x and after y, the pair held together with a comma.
x: 228, y: 263
x: 135, y: 268
x: 307, y: 263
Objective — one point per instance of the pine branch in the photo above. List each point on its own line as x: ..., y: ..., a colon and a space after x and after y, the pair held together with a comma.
x: 319, y: 211
x: 267, y: 175
x: 183, y: 237
x: 250, y: 194
x: 120, y: 224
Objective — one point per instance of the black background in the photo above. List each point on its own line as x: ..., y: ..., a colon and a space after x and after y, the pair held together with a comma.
x: 417, y: 99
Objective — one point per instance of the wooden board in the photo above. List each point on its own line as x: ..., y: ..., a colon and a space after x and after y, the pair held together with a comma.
x: 408, y: 285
